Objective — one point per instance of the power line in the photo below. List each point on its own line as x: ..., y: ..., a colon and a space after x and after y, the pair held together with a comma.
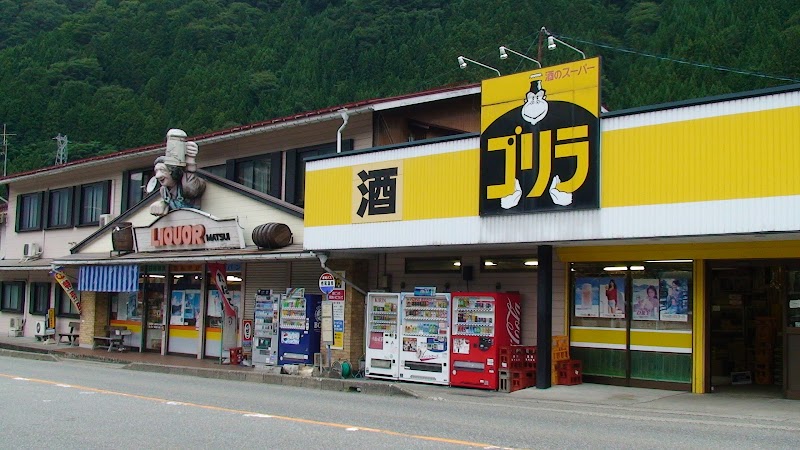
x: 683, y: 61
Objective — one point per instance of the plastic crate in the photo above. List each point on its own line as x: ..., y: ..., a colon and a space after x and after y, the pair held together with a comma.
x: 518, y: 357
x: 513, y: 380
x: 570, y: 372
x: 560, y: 343
x: 560, y: 355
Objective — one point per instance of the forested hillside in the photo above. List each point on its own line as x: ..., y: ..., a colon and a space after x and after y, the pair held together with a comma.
x: 114, y: 74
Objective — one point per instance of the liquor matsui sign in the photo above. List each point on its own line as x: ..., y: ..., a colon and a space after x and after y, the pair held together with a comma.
x: 189, y: 229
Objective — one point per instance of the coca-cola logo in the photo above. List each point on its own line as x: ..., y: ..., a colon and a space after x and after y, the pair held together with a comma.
x: 513, y: 321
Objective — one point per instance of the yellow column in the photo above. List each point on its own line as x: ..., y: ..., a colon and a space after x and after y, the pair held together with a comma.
x: 699, y: 328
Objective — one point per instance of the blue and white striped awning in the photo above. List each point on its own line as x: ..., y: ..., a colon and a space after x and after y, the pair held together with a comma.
x: 109, y: 278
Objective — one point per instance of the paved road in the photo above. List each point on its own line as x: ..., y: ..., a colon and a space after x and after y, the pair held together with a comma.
x: 80, y: 404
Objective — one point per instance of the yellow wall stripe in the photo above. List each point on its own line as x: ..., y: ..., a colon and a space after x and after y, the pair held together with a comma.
x: 602, y: 335
x: 716, y: 158
x: 183, y: 333
x: 661, y: 339
x: 442, y: 186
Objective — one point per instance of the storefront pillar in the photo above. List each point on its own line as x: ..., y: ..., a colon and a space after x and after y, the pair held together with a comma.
x: 354, y: 332
x: 544, y: 316
x: 94, y: 317
x: 699, y: 329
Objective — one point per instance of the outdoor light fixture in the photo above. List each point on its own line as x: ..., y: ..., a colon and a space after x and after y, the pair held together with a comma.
x: 462, y: 62
x: 504, y: 55
x: 551, y: 45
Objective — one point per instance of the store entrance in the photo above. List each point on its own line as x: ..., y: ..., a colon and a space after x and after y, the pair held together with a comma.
x: 746, y: 317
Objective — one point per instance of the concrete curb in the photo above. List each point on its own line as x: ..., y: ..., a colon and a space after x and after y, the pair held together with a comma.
x: 254, y: 376
x: 28, y: 355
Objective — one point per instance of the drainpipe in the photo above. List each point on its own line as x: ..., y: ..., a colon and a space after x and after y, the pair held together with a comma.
x: 323, y: 258
x: 343, y: 112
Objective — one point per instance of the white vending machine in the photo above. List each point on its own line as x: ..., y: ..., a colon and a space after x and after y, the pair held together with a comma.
x: 383, y: 343
x: 265, y: 328
x: 425, y: 338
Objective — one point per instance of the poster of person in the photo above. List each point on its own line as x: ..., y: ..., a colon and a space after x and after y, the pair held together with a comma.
x: 612, y: 297
x: 645, y: 299
x: 587, y: 297
x: 191, y: 306
x: 674, y: 296
x: 176, y: 308
x: 409, y: 344
x: 214, y: 307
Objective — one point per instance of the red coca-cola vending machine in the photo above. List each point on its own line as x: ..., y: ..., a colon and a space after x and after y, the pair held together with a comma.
x: 482, y: 323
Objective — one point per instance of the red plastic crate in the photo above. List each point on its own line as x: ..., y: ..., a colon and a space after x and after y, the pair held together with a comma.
x: 570, y: 372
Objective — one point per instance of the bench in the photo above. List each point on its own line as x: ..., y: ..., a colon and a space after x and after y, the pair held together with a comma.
x: 113, y: 340
x: 73, y: 334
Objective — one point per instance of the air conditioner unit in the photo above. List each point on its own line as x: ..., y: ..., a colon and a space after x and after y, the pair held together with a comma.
x: 41, y: 328
x: 31, y: 250
x: 105, y: 219
x: 15, y: 327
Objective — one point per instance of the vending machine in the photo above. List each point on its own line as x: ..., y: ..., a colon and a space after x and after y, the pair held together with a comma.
x: 300, y: 327
x: 383, y: 343
x: 425, y: 338
x: 482, y: 323
x: 265, y: 328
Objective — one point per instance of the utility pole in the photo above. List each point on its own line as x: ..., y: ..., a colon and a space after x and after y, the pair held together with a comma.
x: 5, y: 148
x: 61, y: 154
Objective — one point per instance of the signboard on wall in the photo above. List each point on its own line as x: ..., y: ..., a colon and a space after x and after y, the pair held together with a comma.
x: 540, y: 135
x: 189, y: 229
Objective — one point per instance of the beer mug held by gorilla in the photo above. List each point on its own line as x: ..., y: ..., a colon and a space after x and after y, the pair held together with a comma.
x: 180, y: 187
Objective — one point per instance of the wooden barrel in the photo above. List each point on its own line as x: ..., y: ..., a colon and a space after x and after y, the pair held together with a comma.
x: 272, y: 235
x: 122, y: 237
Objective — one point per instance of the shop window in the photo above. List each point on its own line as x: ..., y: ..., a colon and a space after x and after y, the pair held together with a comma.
x: 94, y: 200
x: 234, y: 285
x: 185, y: 298
x: 134, y: 184
x: 40, y: 298
x: 509, y: 264
x: 29, y: 211
x: 59, y: 208
x: 633, y: 320
x: 296, y: 168
x: 64, y: 305
x: 260, y: 173
x: 13, y: 296
x: 447, y: 264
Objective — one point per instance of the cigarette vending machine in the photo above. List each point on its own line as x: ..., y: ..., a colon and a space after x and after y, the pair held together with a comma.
x: 300, y: 327
x: 265, y: 328
x: 482, y: 323
x: 383, y: 343
x: 425, y: 338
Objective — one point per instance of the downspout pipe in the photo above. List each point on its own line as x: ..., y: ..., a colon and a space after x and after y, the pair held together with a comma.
x: 345, y: 117
x: 323, y: 258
